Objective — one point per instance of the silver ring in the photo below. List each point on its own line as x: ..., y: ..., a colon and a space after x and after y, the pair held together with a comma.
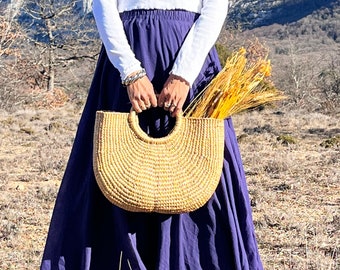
x: 173, y: 105
x: 167, y: 105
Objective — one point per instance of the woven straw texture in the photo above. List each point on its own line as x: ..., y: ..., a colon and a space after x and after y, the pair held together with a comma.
x: 174, y: 174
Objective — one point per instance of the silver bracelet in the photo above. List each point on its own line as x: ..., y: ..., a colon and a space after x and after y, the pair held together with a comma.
x: 131, y: 79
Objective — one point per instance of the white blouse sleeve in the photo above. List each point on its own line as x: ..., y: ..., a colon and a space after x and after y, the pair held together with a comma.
x: 192, y: 54
x: 200, y: 40
x: 111, y: 31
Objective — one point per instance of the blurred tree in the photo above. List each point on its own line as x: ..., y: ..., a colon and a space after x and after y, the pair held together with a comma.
x: 10, y: 32
x: 329, y: 83
x: 60, y: 32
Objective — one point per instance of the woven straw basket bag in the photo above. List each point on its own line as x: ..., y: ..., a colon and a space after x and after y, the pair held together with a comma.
x: 174, y: 174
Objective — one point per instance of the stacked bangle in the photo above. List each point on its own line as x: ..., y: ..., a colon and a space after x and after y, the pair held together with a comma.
x: 131, y: 79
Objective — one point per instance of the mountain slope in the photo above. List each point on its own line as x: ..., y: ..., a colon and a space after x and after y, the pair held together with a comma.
x: 257, y: 13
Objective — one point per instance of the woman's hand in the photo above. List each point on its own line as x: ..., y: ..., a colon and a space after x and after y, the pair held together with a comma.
x: 173, y: 94
x: 142, y: 94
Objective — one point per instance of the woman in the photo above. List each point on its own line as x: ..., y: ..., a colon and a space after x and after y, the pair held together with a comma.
x: 157, y: 56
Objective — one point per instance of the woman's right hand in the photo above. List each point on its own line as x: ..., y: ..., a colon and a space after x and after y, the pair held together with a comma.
x: 142, y: 94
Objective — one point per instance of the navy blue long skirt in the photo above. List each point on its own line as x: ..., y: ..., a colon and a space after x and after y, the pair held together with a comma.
x: 87, y: 232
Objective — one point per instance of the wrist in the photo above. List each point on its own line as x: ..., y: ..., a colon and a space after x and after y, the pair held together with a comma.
x: 133, y: 77
x: 179, y: 78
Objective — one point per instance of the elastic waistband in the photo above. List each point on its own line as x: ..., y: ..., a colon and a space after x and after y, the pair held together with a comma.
x: 173, y: 14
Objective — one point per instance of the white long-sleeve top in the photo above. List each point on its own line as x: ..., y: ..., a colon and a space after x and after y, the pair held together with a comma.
x: 194, y: 50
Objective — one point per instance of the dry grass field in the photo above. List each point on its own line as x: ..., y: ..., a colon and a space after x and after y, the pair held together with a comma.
x: 290, y: 153
x: 291, y: 159
x: 292, y: 165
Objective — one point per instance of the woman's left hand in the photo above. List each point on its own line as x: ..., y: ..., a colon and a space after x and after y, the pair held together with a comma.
x: 173, y: 94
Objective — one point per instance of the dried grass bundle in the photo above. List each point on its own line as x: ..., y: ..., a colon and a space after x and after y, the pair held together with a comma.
x: 237, y: 87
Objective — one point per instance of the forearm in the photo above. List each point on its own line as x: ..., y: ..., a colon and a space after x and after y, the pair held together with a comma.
x: 111, y: 31
x: 200, y: 40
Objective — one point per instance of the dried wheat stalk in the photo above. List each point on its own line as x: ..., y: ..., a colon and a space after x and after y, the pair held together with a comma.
x: 237, y: 87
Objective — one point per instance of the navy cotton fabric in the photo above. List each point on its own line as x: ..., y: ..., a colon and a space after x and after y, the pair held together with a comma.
x: 87, y: 232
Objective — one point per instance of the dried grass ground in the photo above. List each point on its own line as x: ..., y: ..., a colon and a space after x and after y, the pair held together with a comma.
x: 291, y: 160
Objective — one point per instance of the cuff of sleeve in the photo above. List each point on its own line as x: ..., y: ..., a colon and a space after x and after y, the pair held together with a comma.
x: 124, y: 73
